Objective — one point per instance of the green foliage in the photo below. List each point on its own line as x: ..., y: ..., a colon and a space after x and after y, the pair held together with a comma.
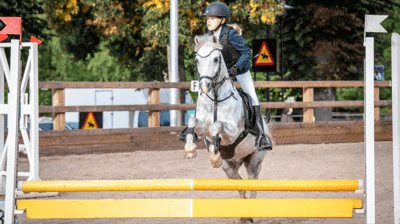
x: 392, y: 25
x: 124, y: 40
x: 69, y: 18
x: 57, y: 64
x: 101, y: 67
x: 349, y: 93
x: 328, y: 37
x: 33, y: 24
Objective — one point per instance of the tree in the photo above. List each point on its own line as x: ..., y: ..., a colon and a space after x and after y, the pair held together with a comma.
x: 69, y: 18
x: 138, y: 31
x: 30, y: 11
x: 328, y: 37
x: 33, y: 24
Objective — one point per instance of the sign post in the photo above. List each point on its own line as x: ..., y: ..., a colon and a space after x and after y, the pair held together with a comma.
x: 265, y: 58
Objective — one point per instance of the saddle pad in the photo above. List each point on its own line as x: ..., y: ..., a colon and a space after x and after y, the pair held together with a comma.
x: 249, y: 113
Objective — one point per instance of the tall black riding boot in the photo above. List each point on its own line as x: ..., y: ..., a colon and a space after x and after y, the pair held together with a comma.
x: 264, y: 143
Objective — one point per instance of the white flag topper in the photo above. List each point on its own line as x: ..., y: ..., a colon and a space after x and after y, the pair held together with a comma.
x: 373, y: 24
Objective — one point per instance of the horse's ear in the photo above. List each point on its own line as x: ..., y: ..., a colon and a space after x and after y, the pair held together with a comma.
x: 214, y: 39
x: 196, y: 39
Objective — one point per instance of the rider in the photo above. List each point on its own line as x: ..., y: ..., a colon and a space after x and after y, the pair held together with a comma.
x: 236, y: 55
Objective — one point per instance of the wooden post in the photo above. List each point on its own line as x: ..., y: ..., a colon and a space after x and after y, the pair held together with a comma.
x: 154, y: 116
x: 376, y: 98
x: 59, y: 100
x: 308, y: 96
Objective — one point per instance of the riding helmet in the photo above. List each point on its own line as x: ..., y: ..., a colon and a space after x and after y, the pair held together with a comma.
x: 218, y: 9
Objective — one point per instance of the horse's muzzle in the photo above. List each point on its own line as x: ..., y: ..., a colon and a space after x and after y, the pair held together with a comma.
x: 205, y: 86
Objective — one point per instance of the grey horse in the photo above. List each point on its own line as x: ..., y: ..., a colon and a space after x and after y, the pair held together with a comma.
x: 230, y: 120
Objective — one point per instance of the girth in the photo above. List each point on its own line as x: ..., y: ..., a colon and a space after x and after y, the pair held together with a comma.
x: 228, y: 151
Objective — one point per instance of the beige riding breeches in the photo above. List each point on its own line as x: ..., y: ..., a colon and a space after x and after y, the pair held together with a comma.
x: 246, y: 82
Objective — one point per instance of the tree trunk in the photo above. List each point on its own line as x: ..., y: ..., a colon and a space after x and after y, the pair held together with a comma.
x: 324, y: 94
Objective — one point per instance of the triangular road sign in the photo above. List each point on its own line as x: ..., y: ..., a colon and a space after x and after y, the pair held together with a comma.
x: 90, y: 122
x: 264, y: 57
x: 3, y: 37
x: 35, y: 40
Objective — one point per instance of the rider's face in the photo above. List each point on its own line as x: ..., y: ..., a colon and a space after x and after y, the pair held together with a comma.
x: 213, y: 22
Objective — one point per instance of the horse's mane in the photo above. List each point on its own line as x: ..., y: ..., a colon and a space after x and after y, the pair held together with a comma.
x: 202, y: 40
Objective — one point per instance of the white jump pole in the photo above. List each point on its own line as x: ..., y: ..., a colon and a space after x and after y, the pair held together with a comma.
x: 173, y: 96
x: 396, y: 127
x: 369, y: 132
x: 13, y: 116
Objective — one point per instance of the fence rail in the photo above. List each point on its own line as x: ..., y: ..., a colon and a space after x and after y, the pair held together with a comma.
x: 159, y: 107
x: 59, y: 109
x: 186, y: 85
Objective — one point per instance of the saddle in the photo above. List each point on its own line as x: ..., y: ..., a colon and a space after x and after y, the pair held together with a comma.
x: 228, y: 151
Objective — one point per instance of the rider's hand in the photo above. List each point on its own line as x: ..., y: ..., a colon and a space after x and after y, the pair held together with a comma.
x: 233, y: 70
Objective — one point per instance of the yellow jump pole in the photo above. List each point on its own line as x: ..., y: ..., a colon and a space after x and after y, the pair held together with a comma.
x: 189, y: 208
x: 190, y: 184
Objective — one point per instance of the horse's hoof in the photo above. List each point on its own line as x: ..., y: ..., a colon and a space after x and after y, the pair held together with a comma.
x: 245, y: 220
x: 216, y: 160
x: 190, y: 155
x: 190, y: 150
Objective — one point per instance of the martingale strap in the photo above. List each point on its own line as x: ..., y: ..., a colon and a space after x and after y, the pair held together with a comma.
x: 216, y: 105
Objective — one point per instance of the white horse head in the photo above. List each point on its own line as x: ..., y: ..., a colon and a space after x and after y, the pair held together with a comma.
x: 210, y: 63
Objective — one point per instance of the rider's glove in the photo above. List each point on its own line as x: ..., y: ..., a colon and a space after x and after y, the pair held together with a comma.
x: 233, y: 70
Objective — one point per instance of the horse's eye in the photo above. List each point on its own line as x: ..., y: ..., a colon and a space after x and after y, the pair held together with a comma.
x: 215, y: 59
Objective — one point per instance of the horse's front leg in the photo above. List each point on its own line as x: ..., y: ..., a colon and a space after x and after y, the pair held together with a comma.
x: 194, y: 125
x: 220, y: 132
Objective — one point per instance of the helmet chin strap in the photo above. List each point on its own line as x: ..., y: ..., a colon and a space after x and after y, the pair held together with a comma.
x: 220, y: 24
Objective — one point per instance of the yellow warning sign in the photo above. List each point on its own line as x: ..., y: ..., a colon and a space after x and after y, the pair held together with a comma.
x: 264, y: 57
x: 90, y: 122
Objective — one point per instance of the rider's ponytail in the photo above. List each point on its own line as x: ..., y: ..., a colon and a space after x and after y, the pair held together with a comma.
x: 236, y: 27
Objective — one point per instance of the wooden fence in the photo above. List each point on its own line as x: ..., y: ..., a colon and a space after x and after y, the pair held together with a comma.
x: 154, y: 107
x: 67, y: 142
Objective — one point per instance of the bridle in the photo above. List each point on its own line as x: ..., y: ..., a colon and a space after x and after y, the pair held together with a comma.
x: 215, y: 77
x: 214, y: 84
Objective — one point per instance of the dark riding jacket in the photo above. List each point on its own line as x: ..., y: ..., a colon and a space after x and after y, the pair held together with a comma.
x: 235, y: 50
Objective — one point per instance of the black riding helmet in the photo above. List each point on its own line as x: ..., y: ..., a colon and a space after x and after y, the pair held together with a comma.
x: 218, y: 9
